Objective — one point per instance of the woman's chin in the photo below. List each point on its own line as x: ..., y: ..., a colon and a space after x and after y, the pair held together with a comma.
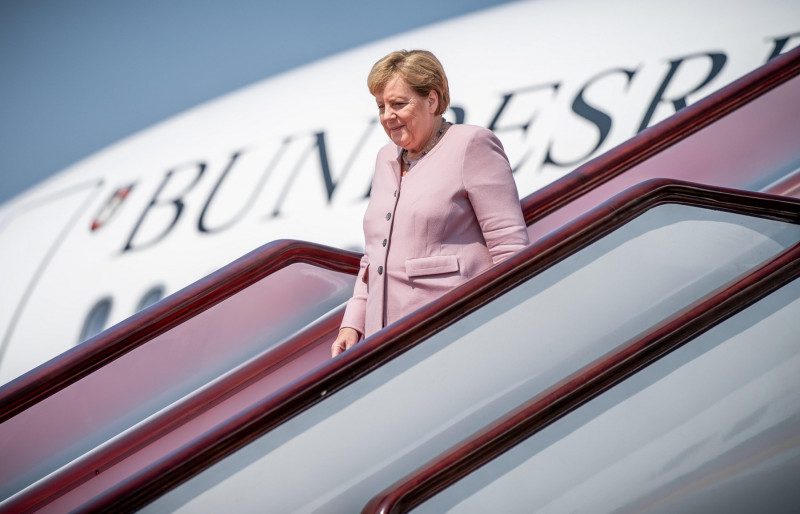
x: 398, y: 139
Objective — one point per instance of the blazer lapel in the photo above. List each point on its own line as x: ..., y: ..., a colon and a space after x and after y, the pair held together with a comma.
x: 394, y: 166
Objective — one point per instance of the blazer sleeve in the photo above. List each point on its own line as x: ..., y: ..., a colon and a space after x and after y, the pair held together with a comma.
x: 487, y: 178
x: 356, y: 310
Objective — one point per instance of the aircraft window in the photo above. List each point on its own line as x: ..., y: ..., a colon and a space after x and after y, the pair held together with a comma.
x: 379, y: 428
x: 96, y: 319
x: 711, y: 427
x: 150, y: 297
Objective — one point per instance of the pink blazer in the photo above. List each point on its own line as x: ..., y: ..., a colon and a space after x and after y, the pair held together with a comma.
x: 454, y: 214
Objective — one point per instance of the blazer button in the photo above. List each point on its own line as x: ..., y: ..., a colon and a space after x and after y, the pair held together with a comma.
x: 388, y: 216
x: 384, y: 242
x: 395, y: 193
x: 380, y: 270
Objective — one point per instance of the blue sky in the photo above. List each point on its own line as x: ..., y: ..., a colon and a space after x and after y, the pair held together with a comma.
x: 78, y: 75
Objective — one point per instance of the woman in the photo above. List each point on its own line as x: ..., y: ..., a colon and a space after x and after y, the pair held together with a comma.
x: 443, y: 206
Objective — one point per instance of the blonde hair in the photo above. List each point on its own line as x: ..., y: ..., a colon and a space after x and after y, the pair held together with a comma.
x: 420, y: 69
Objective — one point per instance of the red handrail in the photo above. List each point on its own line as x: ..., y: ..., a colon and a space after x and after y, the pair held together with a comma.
x: 375, y: 351
x: 129, y: 334
x: 583, y: 385
x: 661, y: 136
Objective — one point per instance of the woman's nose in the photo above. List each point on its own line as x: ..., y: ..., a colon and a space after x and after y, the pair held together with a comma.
x: 388, y: 114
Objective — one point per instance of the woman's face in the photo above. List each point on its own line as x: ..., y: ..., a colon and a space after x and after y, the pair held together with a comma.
x: 408, y: 118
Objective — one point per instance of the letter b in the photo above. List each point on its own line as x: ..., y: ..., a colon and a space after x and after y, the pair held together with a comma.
x: 156, y: 201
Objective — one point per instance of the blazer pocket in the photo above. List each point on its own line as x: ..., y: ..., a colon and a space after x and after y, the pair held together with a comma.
x: 433, y: 265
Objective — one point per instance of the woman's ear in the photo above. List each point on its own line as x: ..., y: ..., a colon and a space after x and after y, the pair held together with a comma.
x: 433, y: 101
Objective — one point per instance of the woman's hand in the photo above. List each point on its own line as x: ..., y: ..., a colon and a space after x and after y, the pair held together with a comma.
x: 347, y: 338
